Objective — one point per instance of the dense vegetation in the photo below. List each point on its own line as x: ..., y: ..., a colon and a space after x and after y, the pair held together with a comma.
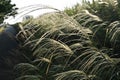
x: 6, y: 9
x: 81, y: 43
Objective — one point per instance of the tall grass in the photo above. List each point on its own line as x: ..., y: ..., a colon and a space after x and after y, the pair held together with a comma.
x: 80, y: 44
x: 61, y: 49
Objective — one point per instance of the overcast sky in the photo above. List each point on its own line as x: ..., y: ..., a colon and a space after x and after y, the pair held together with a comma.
x: 58, y: 4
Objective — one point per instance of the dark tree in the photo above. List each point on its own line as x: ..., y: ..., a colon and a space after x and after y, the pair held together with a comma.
x: 6, y: 9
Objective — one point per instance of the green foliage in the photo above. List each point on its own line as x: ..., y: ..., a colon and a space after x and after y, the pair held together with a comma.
x: 6, y: 9
x: 29, y: 77
x: 61, y: 49
x: 80, y: 45
x: 102, y: 18
x: 107, y: 10
x: 74, y: 10
x: 73, y: 74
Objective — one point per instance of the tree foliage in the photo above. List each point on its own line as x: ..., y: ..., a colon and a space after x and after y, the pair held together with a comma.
x: 6, y: 9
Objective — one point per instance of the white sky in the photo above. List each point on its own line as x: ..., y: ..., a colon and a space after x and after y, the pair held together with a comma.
x: 58, y: 4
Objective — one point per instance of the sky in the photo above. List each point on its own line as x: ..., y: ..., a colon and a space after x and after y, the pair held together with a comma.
x: 58, y: 4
